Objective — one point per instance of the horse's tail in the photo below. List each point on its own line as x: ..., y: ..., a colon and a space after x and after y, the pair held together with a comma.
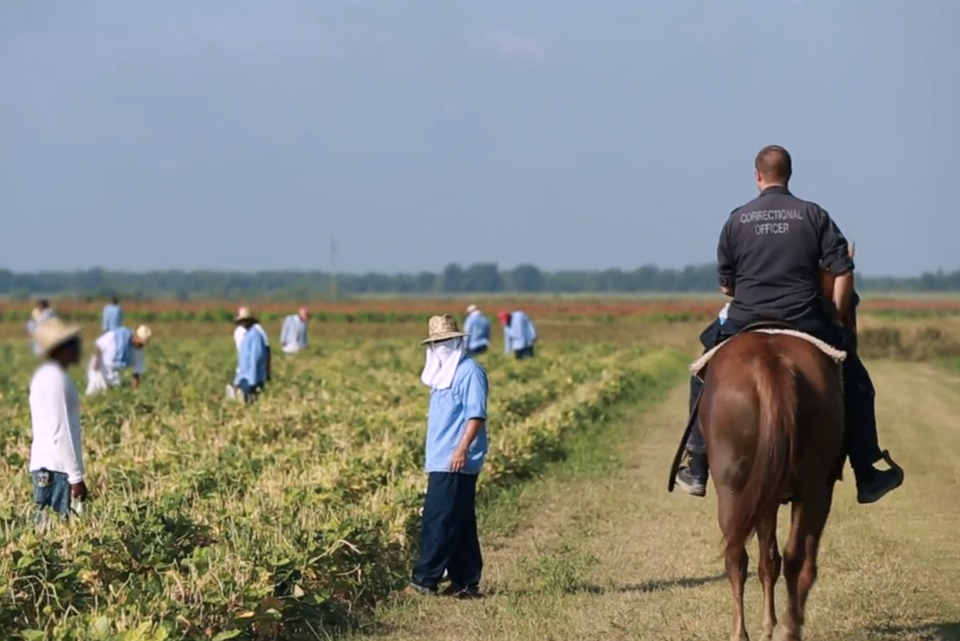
x: 776, y: 385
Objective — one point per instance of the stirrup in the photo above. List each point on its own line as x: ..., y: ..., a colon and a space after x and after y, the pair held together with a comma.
x: 885, y: 455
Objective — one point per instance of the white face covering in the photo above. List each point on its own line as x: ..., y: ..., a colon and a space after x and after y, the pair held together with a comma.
x: 442, y: 361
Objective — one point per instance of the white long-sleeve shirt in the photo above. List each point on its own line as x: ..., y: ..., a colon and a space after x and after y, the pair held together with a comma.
x: 55, y: 413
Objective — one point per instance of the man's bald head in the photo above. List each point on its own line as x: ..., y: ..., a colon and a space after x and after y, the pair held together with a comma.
x: 774, y: 165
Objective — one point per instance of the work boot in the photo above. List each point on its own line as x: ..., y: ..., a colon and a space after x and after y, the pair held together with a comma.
x: 692, y: 478
x: 874, y: 484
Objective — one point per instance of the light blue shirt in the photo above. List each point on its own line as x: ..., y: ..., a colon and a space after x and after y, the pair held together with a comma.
x: 112, y: 317
x: 519, y: 334
x: 294, y: 332
x: 252, y: 359
x: 450, y: 409
x: 122, y: 354
x: 477, y: 327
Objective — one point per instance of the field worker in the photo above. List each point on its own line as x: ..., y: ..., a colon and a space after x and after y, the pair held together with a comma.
x: 40, y: 313
x: 241, y: 329
x: 770, y: 255
x: 456, y: 445
x: 112, y: 315
x: 477, y: 328
x: 56, y: 454
x: 115, y: 351
x: 293, y: 335
x: 251, y: 374
x: 519, y: 334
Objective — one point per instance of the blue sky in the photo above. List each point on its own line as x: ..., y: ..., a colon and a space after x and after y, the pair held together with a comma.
x: 235, y: 134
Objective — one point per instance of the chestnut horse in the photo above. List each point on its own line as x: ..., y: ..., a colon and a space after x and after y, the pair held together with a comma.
x: 772, y: 419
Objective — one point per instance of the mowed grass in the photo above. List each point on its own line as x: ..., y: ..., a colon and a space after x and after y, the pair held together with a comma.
x: 288, y: 519
x: 602, y: 551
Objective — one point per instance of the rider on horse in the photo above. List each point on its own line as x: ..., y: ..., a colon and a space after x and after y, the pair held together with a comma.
x: 770, y: 254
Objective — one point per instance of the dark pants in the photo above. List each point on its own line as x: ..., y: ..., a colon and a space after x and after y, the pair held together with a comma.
x: 448, y: 535
x: 55, y: 492
x: 250, y: 392
x: 476, y: 351
x: 526, y: 352
x: 862, y: 442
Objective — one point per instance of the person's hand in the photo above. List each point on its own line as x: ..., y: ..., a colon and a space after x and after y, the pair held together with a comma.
x: 79, y: 491
x: 458, y: 460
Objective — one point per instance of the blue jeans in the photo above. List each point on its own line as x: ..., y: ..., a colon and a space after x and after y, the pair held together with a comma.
x: 55, y: 495
x: 448, y: 535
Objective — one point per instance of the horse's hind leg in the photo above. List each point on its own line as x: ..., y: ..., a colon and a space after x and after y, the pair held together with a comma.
x: 736, y: 564
x: 800, y: 559
x: 769, y: 570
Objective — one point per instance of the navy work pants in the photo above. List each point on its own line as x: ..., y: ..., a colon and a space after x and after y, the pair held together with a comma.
x: 448, y: 535
x: 862, y: 441
x: 525, y: 352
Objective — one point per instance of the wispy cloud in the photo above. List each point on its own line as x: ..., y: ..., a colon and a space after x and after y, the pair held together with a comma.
x: 511, y: 46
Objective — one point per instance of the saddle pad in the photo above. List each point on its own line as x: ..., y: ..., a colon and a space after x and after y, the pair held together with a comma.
x: 837, y: 355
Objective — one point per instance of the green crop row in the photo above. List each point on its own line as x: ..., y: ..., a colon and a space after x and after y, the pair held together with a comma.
x: 287, y: 519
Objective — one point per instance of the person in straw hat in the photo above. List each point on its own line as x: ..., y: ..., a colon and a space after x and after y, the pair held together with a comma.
x: 56, y: 454
x: 477, y: 327
x: 40, y: 313
x: 241, y: 329
x: 252, y: 360
x: 115, y: 351
x: 456, y: 445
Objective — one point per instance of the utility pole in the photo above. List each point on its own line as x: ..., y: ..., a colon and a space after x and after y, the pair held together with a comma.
x: 333, y: 269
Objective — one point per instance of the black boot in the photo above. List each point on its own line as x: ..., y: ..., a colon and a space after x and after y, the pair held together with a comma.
x: 874, y: 484
x: 861, y: 434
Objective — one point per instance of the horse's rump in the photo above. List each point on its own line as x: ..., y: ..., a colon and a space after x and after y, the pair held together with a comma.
x: 772, y: 417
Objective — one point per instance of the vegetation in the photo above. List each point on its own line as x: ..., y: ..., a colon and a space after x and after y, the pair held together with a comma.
x: 286, y: 519
x: 453, y: 279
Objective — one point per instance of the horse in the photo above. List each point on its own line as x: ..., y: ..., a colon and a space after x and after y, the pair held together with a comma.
x: 772, y: 417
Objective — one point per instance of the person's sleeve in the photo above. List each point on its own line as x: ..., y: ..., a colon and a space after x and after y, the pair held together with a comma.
x: 104, y: 319
x: 834, y: 249
x: 506, y: 339
x: 531, y: 330
x: 726, y: 264
x: 55, y: 413
x: 474, y: 392
x: 285, y: 332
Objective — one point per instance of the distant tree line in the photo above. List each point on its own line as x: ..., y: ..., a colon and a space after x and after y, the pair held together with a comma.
x: 453, y: 279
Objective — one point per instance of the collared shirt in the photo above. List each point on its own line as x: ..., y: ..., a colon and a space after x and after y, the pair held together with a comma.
x: 293, y: 335
x: 117, y: 353
x: 241, y: 330
x: 55, y: 417
x: 520, y: 333
x: 450, y: 409
x: 771, y: 251
x: 112, y: 317
x: 477, y: 328
x: 252, y: 359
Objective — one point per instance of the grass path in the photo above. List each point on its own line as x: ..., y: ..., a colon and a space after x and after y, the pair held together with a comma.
x: 605, y: 553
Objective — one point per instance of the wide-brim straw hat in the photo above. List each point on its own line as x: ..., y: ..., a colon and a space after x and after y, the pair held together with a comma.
x: 144, y: 333
x: 52, y: 333
x: 442, y: 328
x: 471, y: 309
x: 243, y: 314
